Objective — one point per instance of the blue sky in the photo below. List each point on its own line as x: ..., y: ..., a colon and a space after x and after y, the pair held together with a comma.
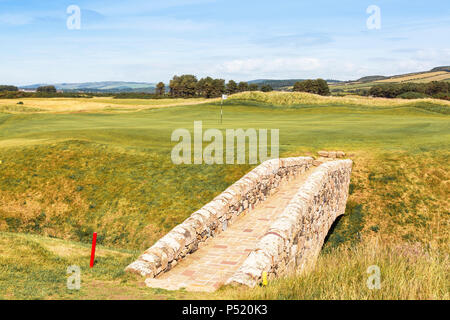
x: 137, y: 40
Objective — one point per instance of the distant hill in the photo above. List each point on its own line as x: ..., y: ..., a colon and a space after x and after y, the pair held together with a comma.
x: 103, y: 86
x: 419, y: 77
x: 365, y: 83
x: 371, y: 78
x: 435, y: 74
x: 444, y: 68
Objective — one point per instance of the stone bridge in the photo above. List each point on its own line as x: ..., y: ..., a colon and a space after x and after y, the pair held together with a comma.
x: 274, y: 220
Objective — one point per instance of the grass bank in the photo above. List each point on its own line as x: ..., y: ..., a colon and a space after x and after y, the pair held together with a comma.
x: 303, y: 98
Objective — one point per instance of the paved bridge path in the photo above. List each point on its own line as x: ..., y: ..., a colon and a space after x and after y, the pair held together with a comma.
x: 219, y: 258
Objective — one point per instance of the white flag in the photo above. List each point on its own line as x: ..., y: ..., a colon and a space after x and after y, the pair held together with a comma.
x: 224, y: 97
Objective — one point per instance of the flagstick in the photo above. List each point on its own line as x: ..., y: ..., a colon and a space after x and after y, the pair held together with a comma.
x: 224, y: 96
x: 221, y: 106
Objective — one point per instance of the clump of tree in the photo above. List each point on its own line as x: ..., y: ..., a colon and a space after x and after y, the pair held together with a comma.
x: 243, y: 86
x: 266, y: 88
x: 22, y: 94
x: 183, y: 86
x: 435, y: 89
x: 160, y: 88
x: 232, y: 87
x: 15, y: 94
x: 4, y: 88
x: 210, y: 88
x: 186, y: 86
x: 46, y: 89
x: 412, y: 95
x: 343, y: 93
x: 318, y: 86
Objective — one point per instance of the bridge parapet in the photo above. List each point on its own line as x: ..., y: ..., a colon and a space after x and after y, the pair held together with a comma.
x: 214, y: 217
x: 296, y: 237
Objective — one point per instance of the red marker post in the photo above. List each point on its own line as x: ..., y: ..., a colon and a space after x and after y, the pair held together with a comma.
x: 94, y: 242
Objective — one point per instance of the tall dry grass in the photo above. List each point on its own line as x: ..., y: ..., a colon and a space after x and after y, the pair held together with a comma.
x: 303, y: 98
x: 95, y: 104
x: 407, y: 271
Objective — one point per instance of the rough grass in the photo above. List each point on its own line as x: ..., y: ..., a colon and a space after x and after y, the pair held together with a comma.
x: 71, y: 189
x: 303, y: 98
x: 18, y: 109
x: 35, y: 267
x: 98, y: 104
x: 407, y: 271
x: 398, y: 197
x: 66, y: 175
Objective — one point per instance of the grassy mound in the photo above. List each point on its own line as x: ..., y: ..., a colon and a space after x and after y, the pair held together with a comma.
x: 303, y: 98
x: 73, y: 188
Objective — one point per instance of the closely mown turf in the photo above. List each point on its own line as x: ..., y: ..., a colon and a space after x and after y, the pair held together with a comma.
x: 66, y: 175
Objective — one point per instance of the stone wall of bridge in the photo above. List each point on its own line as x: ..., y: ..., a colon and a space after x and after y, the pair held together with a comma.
x: 214, y: 217
x: 294, y: 240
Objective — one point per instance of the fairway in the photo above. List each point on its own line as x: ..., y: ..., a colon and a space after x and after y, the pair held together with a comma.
x: 304, y: 127
x: 66, y: 174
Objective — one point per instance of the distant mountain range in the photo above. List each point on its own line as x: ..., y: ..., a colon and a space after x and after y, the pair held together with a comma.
x: 103, y: 86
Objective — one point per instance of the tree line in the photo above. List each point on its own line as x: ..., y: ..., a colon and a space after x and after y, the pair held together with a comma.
x: 4, y: 88
x: 318, y: 86
x: 188, y: 85
x: 47, y: 89
x: 435, y: 89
